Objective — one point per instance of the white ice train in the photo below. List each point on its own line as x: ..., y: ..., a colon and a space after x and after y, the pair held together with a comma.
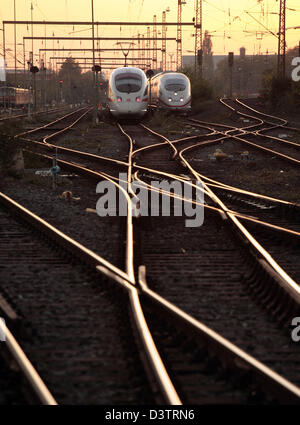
x: 127, y: 95
x: 171, y: 91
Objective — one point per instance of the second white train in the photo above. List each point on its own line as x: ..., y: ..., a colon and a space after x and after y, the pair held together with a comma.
x: 170, y: 91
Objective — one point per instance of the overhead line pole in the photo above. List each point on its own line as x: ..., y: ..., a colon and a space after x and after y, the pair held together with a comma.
x: 198, y: 35
x: 148, y: 44
x: 154, y: 60
x: 94, y: 68
x: 179, y: 35
x: 15, y: 42
x: 281, y: 39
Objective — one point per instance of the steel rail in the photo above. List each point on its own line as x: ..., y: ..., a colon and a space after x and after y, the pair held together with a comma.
x: 106, y: 269
x: 85, y: 155
x: 220, y: 185
x: 160, y: 136
x: 287, y: 142
x: 117, y: 275
x: 285, y: 122
x: 228, y: 188
x: 130, y: 152
x: 201, y: 124
x: 95, y: 175
x: 150, y: 335
x: 35, y: 381
x: 285, y: 382
x: 214, y: 183
x: 286, y: 282
x: 58, y: 148
x: 283, y: 125
x: 134, y: 302
x: 273, y: 126
x: 51, y: 136
x: 259, y: 147
x: 68, y: 243
x: 153, y: 357
x: 279, y: 229
x: 231, y: 354
x: 223, y: 101
x: 283, y: 230
x: 131, y: 194
x: 248, y: 193
x: 151, y: 354
x: 34, y: 130
x: 166, y: 386
x: 161, y: 144
x: 35, y: 114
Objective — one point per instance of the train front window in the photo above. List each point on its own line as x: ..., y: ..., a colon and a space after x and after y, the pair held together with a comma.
x: 128, y: 83
x: 175, y: 85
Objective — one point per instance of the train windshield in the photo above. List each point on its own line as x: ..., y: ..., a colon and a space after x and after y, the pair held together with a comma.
x: 128, y: 83
x: 175, y: 85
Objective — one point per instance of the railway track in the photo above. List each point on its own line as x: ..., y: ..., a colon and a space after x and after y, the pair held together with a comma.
x: 254, y: 286
x: 62, y: 328
x: 35, y: 114
x: 164, y: 268
x: 254, y: 136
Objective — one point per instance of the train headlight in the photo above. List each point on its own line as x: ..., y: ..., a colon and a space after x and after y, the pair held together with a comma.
x: 119, y: 99
x: 181, y: 99
x: 175, y: 94
x: 170, y: 99
x: 138, y: 99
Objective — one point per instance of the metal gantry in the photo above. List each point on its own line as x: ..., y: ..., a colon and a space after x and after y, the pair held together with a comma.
x: 82, y: 39
x: 91, y: 24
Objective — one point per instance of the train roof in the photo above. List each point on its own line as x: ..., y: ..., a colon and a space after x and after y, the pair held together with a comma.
x: 128, y: 69
x: 171, y: 74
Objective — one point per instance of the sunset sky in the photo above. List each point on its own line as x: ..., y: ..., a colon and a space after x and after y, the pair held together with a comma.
x: 229, y: 24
